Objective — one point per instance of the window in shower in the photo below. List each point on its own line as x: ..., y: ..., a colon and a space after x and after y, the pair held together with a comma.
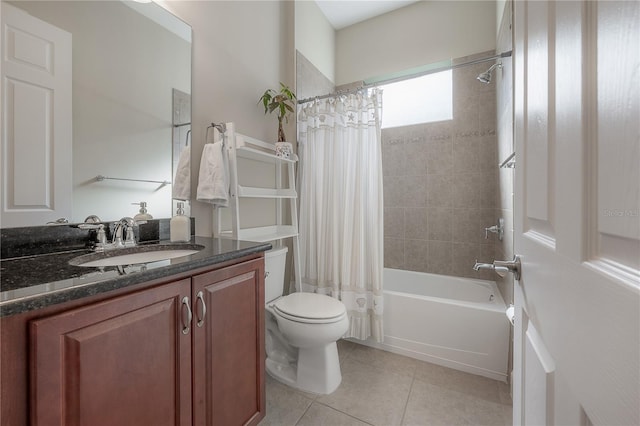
x: 418, y: 100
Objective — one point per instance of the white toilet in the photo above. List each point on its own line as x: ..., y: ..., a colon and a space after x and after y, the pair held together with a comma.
x: 302, y: 330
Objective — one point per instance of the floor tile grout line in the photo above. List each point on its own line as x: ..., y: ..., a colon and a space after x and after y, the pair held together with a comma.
x: 303, y: 414
x: 406, y: 404
x: 346, y: 414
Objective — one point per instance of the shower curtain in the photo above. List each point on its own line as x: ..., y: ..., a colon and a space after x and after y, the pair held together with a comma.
x: 341, y: 222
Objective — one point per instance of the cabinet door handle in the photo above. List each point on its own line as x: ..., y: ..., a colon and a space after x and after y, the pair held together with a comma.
x: 200, y: 298
x: 186, y: 326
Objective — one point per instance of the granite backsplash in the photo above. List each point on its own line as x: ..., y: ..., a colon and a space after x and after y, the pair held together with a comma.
x: 35, y: 240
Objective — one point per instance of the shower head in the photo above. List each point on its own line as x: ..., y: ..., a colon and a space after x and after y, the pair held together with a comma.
x: 485, y: 77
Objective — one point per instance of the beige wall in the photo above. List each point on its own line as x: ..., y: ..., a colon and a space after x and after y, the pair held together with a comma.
x: 420, y: 34
x: 240, y: 48
x: 315, y: 37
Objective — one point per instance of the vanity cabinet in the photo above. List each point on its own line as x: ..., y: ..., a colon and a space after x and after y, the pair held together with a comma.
x: 229, y: 347
x: 124, y: 361
x: 188, y: 351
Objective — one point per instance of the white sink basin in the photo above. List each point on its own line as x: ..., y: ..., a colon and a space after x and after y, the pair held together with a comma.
x: 135, y: 255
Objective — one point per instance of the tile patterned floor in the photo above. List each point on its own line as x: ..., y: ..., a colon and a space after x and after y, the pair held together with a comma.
x: 384, y: 389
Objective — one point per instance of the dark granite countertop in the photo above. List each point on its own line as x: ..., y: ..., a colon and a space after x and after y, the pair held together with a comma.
x: 38, y: 281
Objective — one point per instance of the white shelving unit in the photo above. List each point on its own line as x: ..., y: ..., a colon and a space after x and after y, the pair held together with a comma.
x: 241, y: 146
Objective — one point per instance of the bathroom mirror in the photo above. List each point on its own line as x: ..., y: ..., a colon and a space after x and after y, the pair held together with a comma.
x: 129, y: 60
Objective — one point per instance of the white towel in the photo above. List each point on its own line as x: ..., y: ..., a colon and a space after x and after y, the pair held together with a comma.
x: 182, y: 182
x: 213, y: 181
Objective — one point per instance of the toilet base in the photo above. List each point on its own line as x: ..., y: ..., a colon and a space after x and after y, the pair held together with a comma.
x: 317, y: 370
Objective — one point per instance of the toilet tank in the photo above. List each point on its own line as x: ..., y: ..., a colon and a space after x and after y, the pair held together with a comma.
x: 274, y: 264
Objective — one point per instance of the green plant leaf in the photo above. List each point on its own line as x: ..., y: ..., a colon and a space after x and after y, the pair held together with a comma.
x: 282, y: 101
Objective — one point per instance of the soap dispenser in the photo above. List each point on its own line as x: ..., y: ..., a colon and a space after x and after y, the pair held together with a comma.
x: 180, y: 226
x: 142, y: 215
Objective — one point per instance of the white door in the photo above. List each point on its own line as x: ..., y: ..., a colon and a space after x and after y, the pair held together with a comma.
x: 577, y: 218
x: 35, y: 159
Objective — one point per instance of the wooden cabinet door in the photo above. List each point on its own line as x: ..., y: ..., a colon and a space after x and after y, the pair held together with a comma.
x: 124, y: 361
x: 228, y: 350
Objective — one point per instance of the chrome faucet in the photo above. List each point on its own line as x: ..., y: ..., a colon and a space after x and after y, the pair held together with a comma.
x: 125, y: 226
x: 500, y: 270
x: 496, y: 229
x: 101, y: 243
x: 501, y: 267
x: 117, y: 232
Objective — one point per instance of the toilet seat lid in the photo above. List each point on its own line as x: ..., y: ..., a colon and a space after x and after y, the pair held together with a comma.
x: 311, y: 306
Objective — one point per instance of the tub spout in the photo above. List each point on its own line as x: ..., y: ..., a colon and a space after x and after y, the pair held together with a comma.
x: 500, y: 270
x: 479, y: 266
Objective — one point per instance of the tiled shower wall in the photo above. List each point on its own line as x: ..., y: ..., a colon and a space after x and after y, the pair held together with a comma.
x: 441, y: 185
x: 310, y: 81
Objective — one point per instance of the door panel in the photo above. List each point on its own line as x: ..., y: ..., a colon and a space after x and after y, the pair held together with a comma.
x: 539, y: 370
x: 616, y: 227
x: 231, y: 338
x: 30, y: 118
x: 120, y: 362
x: 577, y: 331
x: 538, y: 202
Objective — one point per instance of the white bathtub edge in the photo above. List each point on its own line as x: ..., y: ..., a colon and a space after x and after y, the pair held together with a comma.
x: 387, y: 346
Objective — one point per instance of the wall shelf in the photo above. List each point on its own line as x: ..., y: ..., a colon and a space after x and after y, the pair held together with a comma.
x: 257, y: 155
x: 252, y: 192
x: 263, y: 234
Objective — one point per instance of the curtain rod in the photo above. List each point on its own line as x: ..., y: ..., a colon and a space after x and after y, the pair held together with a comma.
x: 407, y: 77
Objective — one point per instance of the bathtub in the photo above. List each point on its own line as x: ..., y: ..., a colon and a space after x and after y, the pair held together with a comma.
x: 455, y: 322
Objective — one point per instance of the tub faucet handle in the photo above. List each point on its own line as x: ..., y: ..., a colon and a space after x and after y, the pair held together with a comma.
x: 514, y: 266
x: 495, y: 229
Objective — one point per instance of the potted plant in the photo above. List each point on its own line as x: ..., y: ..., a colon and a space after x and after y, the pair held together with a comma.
x: 282, y: 102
